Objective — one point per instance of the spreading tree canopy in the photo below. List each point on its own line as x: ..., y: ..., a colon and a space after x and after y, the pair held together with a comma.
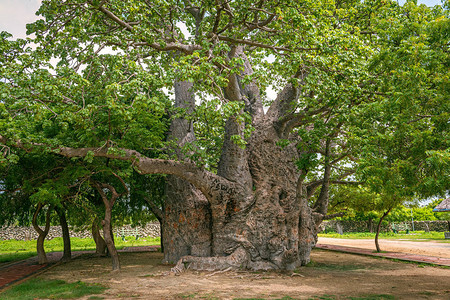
x: 361, y: 86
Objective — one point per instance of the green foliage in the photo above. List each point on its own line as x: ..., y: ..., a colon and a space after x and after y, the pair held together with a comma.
x: 404, y: 132
x: 51, y: 289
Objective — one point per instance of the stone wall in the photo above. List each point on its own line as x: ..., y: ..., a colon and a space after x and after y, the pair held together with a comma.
x: 28, y: 233
x: 365, y: 226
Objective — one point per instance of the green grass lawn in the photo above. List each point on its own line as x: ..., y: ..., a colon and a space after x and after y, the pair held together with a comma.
x: 12, y: 250
x: 51, y: 289
x: 412, y: 235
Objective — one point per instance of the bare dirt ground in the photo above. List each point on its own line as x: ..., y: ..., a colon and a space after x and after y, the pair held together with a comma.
x: 431, y: 248
x: 331, y: 275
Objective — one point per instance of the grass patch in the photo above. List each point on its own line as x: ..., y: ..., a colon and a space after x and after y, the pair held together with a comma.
x: 51, y: 289
x: 333, y: 267
x: 9, y: 257
x: 374, y: 297
x: 412, y: 235
x: 13, y: 250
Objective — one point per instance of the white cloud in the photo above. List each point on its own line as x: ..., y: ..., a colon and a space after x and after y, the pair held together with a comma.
x: 15, y: 14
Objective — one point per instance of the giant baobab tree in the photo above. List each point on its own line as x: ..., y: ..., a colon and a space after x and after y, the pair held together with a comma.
x: 250, y: 174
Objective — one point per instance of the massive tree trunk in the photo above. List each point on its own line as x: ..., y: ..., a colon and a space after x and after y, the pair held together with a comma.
x: 259, y: 218
x: 67, y: 254
x: 260, y: 221
x: 186, y: 219
x: 42, y: 234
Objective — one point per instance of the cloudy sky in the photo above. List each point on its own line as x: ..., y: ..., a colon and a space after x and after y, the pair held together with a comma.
x: 14, y: 14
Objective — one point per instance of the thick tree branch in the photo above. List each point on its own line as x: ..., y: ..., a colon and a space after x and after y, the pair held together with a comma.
x: 155, y: 209
x: 249, y: 92
x: 210, y: 184
x: 283, y: 104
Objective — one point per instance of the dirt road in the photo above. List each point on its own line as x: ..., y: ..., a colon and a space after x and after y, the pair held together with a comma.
x: 434, y: 248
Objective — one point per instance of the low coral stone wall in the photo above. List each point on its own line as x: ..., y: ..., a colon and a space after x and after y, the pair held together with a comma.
x: 366, y: 226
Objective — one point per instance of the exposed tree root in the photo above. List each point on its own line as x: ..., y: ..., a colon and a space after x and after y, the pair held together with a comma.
x: 238, y: 259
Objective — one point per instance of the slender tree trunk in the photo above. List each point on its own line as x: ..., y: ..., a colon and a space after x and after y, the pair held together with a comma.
x: 100, y: 244
x: 377, y: 245
x: 370, y: 225
x: 158, y: 213
x: 106, y: 223
x: 42, y: 234
x: 67, y: 255
x: 109, y: 238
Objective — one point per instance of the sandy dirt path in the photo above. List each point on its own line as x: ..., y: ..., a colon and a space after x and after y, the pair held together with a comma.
x: 331, y: 275
x: 431, y: 248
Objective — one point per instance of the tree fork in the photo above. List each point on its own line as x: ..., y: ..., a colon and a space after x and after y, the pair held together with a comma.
x: 42, y: 257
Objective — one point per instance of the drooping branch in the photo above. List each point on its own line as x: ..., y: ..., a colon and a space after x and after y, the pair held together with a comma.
x: 210, y: 184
